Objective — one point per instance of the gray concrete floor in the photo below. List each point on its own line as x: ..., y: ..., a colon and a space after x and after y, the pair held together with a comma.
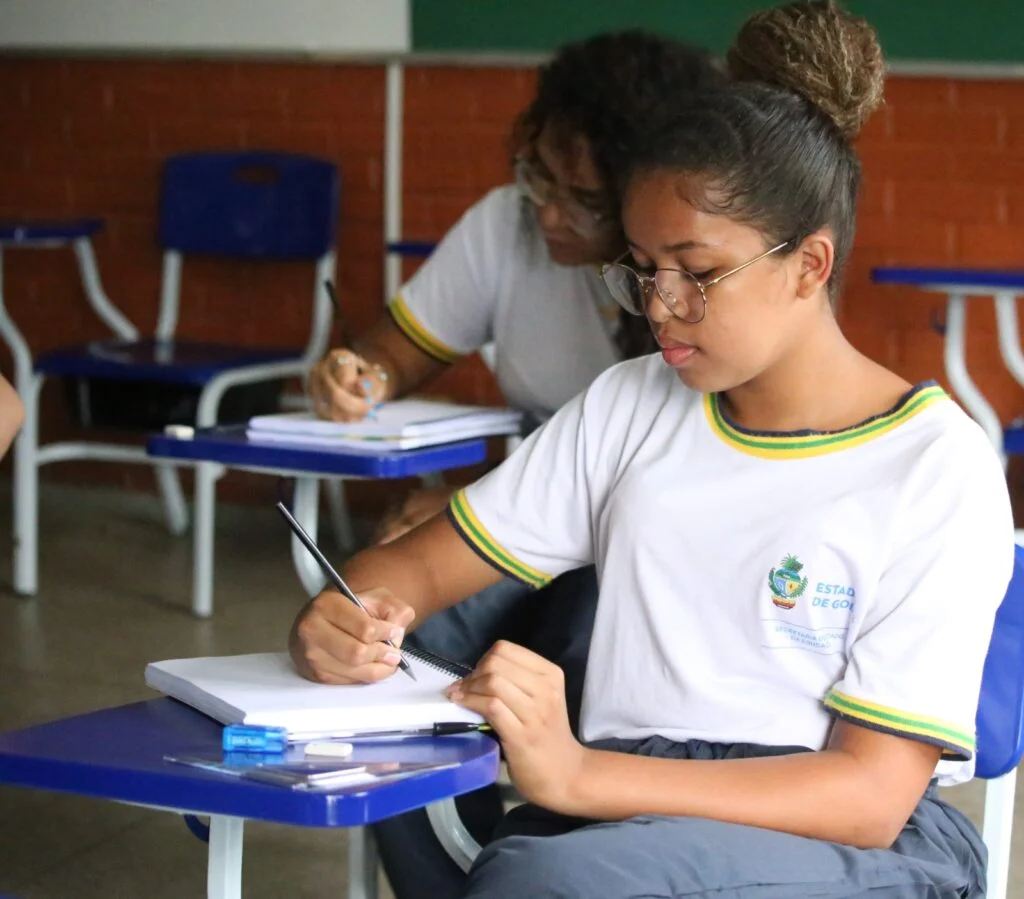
x: 114, y: 594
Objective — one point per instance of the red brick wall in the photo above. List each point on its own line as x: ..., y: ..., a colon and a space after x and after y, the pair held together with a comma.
x: 944, y: 184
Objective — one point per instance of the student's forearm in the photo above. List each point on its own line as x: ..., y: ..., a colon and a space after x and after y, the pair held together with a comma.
x: 389, y: 567
x: 829, y: 795
x: 430, y: 568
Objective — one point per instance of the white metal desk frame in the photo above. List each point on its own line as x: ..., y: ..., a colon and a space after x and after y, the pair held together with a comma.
x: 955, y: 353
x: 305, y: 508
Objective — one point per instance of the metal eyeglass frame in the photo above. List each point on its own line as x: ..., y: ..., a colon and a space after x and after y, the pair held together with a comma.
x: 581, y: 220
x: 646, y: 282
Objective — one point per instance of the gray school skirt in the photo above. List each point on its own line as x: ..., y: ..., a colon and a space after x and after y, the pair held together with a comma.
x: 541, y: 855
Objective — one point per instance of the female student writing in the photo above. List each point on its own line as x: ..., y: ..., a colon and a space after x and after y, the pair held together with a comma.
x: 784, y: 656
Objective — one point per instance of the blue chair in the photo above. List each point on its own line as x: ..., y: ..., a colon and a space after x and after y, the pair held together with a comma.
x: 1000, y: 727
x: 1000, y: 735
x: 254, y: 206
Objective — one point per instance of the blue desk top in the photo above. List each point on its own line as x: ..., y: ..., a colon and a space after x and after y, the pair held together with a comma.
x: 27, y: 233
x: 950, y: 277
x: 230, y: 446
x: 118, y: 754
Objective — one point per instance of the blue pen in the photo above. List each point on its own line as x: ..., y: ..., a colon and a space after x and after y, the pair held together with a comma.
x: 254, y: 738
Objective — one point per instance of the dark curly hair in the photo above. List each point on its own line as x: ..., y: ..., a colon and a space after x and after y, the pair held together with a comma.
x: 607, y: 89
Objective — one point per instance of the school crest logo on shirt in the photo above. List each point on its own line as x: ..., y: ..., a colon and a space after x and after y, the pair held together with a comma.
x: 785, y: 582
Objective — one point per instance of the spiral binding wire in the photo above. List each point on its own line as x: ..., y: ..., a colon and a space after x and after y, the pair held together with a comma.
x: 438, y: 663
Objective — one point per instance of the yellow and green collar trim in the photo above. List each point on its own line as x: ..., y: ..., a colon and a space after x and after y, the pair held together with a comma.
x: 412, y: 328
x: 484, y: 545
x: 955, y: 743
x: 803, y: 444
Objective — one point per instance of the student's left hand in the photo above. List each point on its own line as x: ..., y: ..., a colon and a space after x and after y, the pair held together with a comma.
x: 522, y: 696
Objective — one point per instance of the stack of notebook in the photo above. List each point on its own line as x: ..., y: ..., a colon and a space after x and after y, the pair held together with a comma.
x: 402, y: 424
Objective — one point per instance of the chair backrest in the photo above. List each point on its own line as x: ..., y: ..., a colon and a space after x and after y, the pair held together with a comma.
x: 1000, y: 722
x: 255, y: 205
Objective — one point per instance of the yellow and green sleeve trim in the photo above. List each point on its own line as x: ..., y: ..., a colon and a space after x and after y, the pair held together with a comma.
x: 412, y: 328
x: 484, y: 545
x: 955, y: 743
x: 803, y: 444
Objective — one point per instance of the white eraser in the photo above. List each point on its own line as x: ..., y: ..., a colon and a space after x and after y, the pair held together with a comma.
x: 332, y: 750
x: 180, y: 432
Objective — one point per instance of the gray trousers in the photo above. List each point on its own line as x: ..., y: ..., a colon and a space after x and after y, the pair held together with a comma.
x: 539, y: 854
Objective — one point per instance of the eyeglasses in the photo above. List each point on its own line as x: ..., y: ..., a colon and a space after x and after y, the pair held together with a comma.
x: 683, y: 294
x: 541, y: 190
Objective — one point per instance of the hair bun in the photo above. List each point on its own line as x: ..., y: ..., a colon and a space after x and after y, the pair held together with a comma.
x: 820, y: 51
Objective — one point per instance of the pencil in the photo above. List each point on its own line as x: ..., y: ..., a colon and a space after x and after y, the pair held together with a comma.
x: 333, y: 575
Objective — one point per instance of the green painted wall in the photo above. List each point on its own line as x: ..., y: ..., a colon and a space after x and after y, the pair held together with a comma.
x: 943, y: 30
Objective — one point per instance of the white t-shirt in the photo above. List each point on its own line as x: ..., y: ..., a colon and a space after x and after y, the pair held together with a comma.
x: 491, y: 279
x: 755, y: 585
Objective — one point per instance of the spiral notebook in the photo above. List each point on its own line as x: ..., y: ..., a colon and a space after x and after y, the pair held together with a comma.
x: 265, y: 689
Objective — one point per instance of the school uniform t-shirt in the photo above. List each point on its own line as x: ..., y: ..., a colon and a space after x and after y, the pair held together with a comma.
x: 491, y: 279
x: 754, y: 586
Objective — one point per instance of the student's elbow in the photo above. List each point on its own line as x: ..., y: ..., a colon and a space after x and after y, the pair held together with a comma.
x: 878, y: 832
x: 884, y: 777
x: 880, y: 817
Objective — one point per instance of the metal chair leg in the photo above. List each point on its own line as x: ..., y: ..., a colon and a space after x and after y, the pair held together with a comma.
x: 997, y: 829
x: 175, y: 509
x: 341, y: 521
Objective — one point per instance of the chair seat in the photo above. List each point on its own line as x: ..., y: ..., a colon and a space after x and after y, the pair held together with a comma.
x: 169, y: 361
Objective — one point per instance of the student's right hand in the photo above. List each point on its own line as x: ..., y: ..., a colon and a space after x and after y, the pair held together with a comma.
x: 334, y: 642
x: 344, y: 386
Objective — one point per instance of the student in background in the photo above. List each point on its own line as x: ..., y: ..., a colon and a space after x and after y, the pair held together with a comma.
x: 776, y: 520
x: 521, y: 270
